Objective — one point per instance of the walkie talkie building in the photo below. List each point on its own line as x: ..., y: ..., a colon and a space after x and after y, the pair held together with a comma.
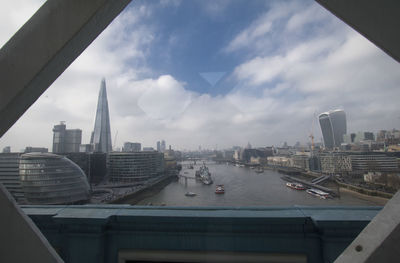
x: 333, y: 127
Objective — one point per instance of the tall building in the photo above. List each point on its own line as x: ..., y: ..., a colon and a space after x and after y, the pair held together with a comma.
x: 163, y: 146
x: 52, y: 179
x: 333, y: 127
x: 158, y: 146
x: 101, y: 136
x: 66, y: 140
x: 132, y: 147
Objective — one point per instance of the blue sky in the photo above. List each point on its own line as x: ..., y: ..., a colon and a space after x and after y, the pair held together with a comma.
x: 279, y: 64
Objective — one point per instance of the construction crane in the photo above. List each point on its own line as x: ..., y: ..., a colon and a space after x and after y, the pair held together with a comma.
x: 312, y: 134
x: 115, y: 140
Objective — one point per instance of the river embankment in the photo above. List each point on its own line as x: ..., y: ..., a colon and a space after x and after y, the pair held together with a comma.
x: 145, y: 192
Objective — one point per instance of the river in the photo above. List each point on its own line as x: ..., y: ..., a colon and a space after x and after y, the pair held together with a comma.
x: 243, y: 187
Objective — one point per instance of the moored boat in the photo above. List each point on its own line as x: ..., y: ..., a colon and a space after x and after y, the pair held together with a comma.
x: 204, y: 175
x: 296, y: 186
x: 317, y: 193
x: 220, y: 189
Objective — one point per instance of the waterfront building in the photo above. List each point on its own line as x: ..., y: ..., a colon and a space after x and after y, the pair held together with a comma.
x: 333, y: 127
x: 280, y: 161
x: 135, y: 167
x: 9, y: 175
x: 30, y: 149
x: 373, y: 162
x: 93, y: 164
x: 301, y: 161
x: 335, y: 162
x: 132, y: 147
x: 66, y: 140
x: 101, y: 136
x: 52, y: 179
x: 7, y: 149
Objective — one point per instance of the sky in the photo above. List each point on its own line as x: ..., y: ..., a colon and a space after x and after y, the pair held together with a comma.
x: 215, y: 74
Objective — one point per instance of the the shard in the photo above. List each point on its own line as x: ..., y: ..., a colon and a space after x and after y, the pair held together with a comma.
x: 101, y: 136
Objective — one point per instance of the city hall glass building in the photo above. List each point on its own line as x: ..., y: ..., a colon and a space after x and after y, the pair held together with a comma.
x: 333, y: 127
x: 52, y: 179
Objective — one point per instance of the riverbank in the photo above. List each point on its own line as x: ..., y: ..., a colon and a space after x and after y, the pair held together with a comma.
x: 145, y: 192
x: 375, y: 199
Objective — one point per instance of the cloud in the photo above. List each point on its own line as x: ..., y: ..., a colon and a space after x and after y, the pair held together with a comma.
x: 293, y: 60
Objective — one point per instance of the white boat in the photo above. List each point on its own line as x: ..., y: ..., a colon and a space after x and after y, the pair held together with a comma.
x: 317, y: 193
x: 190, y: 194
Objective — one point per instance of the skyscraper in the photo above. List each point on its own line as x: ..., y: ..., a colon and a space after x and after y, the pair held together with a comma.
x: 163, y: 146
x: 101, y: 136
x: 66, y: 140
x: 333, y: 127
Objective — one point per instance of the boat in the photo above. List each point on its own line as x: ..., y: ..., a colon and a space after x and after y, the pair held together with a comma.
x: 204, y: 175
x: 259, y: 170
x: 190, y: 194
x: 296, y: 186
x: 317, y: 193
x: 220, y: 189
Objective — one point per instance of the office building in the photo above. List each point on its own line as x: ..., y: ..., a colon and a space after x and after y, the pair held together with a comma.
x: 101, y: 136
x: 86, y: 148
x: 335, y: 163
x: 163, y: 146
x: 158, y: 146
x: 132, y: 147
x: 148, y: 149
x: 31, y: 149
x: 94, y: 165
x: 9, y: 175
x: 7, y: 149
x: 135, y: 167
x: 333, y: 127
x: 52, y: 179
x: 66, y: 140
x: 373, y: 162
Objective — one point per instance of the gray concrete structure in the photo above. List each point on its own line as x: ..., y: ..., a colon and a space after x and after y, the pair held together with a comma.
x: 57, y: 34
x: 21, y: 240
x: 378, y: 21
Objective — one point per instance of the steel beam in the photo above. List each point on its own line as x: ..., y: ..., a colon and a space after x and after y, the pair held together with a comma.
x: 44, y: 47
x: 376, y: 20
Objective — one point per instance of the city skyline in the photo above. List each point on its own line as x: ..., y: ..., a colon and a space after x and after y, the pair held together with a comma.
x: 260, y: 80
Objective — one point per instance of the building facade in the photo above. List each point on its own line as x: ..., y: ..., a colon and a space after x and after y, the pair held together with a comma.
x: 132, y: 147
x: 335, y: 162
x: 9, y: 175
x: 363, y: 162
x: 66, y: 140
x: 333, y: 126
x: 101, y: 136
x: 52, y: 179
x: 135, y: 167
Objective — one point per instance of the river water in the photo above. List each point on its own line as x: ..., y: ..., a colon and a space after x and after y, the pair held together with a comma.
x: 243, y: 187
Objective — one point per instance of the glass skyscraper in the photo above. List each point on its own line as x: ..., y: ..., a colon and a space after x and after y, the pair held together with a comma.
x: 333, y: 127
x: 101, y: 136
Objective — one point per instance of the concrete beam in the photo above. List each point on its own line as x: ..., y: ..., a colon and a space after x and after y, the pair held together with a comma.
x: 44, y: 47
x: 378, y: 21
x: 21, y: 240
x: 379, y: 241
